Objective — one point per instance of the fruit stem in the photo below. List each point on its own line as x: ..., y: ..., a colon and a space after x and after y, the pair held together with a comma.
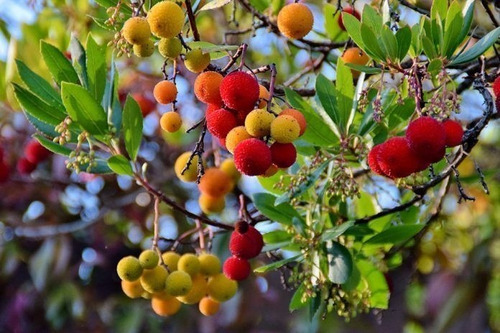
x: 271, y: 87
x: 201, y: 235
x: 155, y: 225
x: 243, y: 53
x: 192, y: 20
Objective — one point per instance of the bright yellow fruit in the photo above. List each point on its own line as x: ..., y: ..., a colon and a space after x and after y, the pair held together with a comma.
x: 191, y: 174
x: 235, y: 136
x: 144, y: 50
x: 136, y: 30
x: 171, y: 122
x: 229, y: 167
x: 149, y: 259
x: 209, y: 264
x: 171, y: 259
x: 196, y: 61
x: 285, y: 129
x: 178, y: 283
x: 220, y: 288
x: 129, y: 268
x: 189, y: 263
x: 198, y: 290
x: 170, y: 47
x: 258, y: 122
x: 153, y: 280
x: 166, y: 19
x: 211, y: 205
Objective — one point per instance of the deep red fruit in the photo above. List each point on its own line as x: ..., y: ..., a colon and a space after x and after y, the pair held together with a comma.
x: 220, y: 122
x: 246, y: 242
x: 373, y: 160
x: 211, y: 108
x: 427, y: 139
x: 236, y: 268
x: 4, y: 172
x: 146, y: 104
x: 283, y: 154
x: 1, y: 154
x: 497, y: 104
x: 496, y: 86
x: 397, y: 160
x: 349, y: 10
x: 24, y: 166
x: 35, y: 152
x: 222, y: 143
x: 239, y: 91
x: 454, y: 132
x: 252, y: 157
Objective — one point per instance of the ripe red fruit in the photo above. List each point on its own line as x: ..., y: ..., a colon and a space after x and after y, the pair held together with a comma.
x: 496, y: 86
x: 24, y: 166
x: 236, y: 268
x: 497, y: 105
x: 246, y: 242
x: 283, y: 154
x: 427, y: 139
x: 4, y: 172
x: 252, y: 157
x: 1, y: 154
x: 373, y: 160
x: 220, y: 122
x: 35, y: 152
x: 349, y: 10
x: 147, y: 105
x: 211, y: 108
x: 222, y: 142
x: 454, y: 132
x: 239, y: 91
x: 397, y: 160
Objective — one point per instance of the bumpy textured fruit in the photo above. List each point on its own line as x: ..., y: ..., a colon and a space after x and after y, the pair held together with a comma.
x: 166, y: 19
x: 252, y: 157
x: 235, y: 136
x: 191, y: 174
x: 220, y: 122
x: 295, y: 20
x: 132, y: 289
x: 258, y: 122
x: 220, y: 288
x: 283, y: 154
x: 209, y: 264
x: 178, y: 283
x: 164, y: 304
x: 144, y: 50
x: 349, y: 10
x: 263, y: 96
x: 372, y: 160
x: 211, y: 108
x: 165, y: 92
x: 453, y: 132
x: 149, y: 259
x: 171, y: 121
x: 285, y: 129
x: 136, y: 30
x: 397, y: 160
x: 170, y: 47
x: 236, y: 268
x: 246, y: 242
x: 4, y: 172
x: 189, y: 263
x: 427, y: 138
x: 146, y: 104
x: 196, y: 61
x: 211, y: 205
x: 298, y: 116
x: 35, y: 152
x: 208, y: 307
x: 215, y: 183
x: 129, y: 268
x: 271, y: 171
x: 229, y: 167
x: 197, y: 292
x: 496, y: 86
x: 355, y: 55
x: 153, y: 280
x: 171, y: 259
x: 206, y: 87
x: 25, y: 167
x: 239, y: 91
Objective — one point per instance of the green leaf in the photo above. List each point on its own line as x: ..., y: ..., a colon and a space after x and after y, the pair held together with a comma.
x: 260, y: 5
x: 364, y: 69
x: 276, y: 236
x: 467, y: 22
x: 59, y: 66
x: 214, y: 4
x: 79, y: 58
x: 377, y: 284
x: 439, y: 9
x: 452, y: 28
x: 216, y: 51
x: 353, y: 27
x: 40, y: 126
x: 112, y: 3
x: 96, y: 67
x: 282, y: 213
x: 101, y: 168
x: 416, y: 38
x: 296, y: 301
x: 345, y: 95
x: 339, y: 263
x: 132, y: 127
x: 84, y: 109
x: 277, y: 264
x: 371, y: 18
x: 335, y: 232
x: 396, y: 234
x: 478, y: 49
x: 389, y: 44
x: 110, y: 101
x: 371, y: 43
x: 326, y: 92
x: 120, y: 165
x: 52, y: 146
x: 403, y: 37
x: 429, y: 48
x: 38, y: 109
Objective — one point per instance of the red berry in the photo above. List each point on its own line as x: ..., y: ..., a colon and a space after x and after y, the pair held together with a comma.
x: 397, y: 160
x: 239, y: 91
x: 1, y: 154
x: 373, y: 160
x: 246, y: 242
x: 211, y: 108
x: 283, y: 154
x: 349, y: 10
x: 427, y: 139
x: 454, y: 132
x: 147, y: 105
x: 24, y: 166
x: 252, y: 157
x: 4, y: 172
x: 236, y: 268
x: 496, y: 86
x: 222, y: 142
x: 497, y: 104
x: 35, y: 152
x: 220, y: 122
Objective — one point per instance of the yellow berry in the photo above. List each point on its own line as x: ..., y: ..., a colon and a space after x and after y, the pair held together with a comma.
x: 129, y: 268
x: 295, y: 20
x: 171, y: 122
x: 215, y: 183
x: 171, y: 259
x: 263, y: 96
x: 258, y: 122
x: 208, y: 307
x: 285, y: 129
x: 136, y: 30
x: 153, y: 280
x: 189, y: 263
x: 149, y: 259
x: 132, y: 289
x: 198, y: 290
x: 170, y: 47
x: 165, y: 92
x: 196, y: 61
x: 211, y: 205
x: 144, y: 50
x: 178, y: 283
x: 235, y: 136
x: 164, y: 304
x: 191, y: 174
x: 229, y: 167
x: 166, y: 19
x: 220, y: 288
x: 209, y: 264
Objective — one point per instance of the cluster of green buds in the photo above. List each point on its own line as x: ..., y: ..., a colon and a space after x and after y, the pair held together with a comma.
x: 64, y: 132
x: 348, y: 304
x: 120, y: 44
x: 115, y: 16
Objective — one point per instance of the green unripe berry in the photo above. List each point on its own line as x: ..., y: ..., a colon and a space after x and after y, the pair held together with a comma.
x: 209, y: 264
x: 136, y: 30
x: 170, y: 47
x: 144, y: 50
x: 129, y: 268
x: 179, y: 283
x: 171, y: 259
x: 149, y: 259
x: 196, y: 61
x: 189, y: 263
x: 153, y: 280
x: 220, y: 288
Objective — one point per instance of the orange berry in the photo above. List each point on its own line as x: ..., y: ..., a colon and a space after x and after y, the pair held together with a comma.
x: 164, y: 304
x: 295, y: 20
x: 165, y: 92
x: 206, y: 87
x: 271, y: 171
x: 355, y: 55
x: 235, y: 136
x: 208, y: 306
x: 215, y: 183
x: 211, y: 205
x: 298, y: 116
x: 171, y: 122
x: 263, y: 96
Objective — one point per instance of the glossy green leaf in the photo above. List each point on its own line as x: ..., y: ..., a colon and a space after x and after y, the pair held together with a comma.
x: 52, y: 146
x: 277, y: 264
x: 372, y: 19
x: 467, y: 22
x: 403, y: 37
x: 79, y: 59
x: 336, y: 231
x: 96, y: 67
x: 389, y: 44
x: 276, y: 236
x: 439, y: 9
x: 353, y: 27
x: 345, y: 95
x: 396, y: 234
x: 377, y: 284
x: 365, y: 69
x: 296, y: 301
x: 120, y: 165
x: 59, y: 66
x: 478, y: 49
x: 101, y: 168
x: 371, y: 43
x: 339, y: 262
x: 216, y: 51
x: 282, y: 213
x: 132, y: 123
x: 452, y: 28
x: 36, y: 107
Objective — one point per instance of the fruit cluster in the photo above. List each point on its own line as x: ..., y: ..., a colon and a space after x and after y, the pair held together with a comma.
x: 174, y: 279
x: 496, y: 92
x: 425, y: 143
x: 245, y: 243
x: 34, y: 153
